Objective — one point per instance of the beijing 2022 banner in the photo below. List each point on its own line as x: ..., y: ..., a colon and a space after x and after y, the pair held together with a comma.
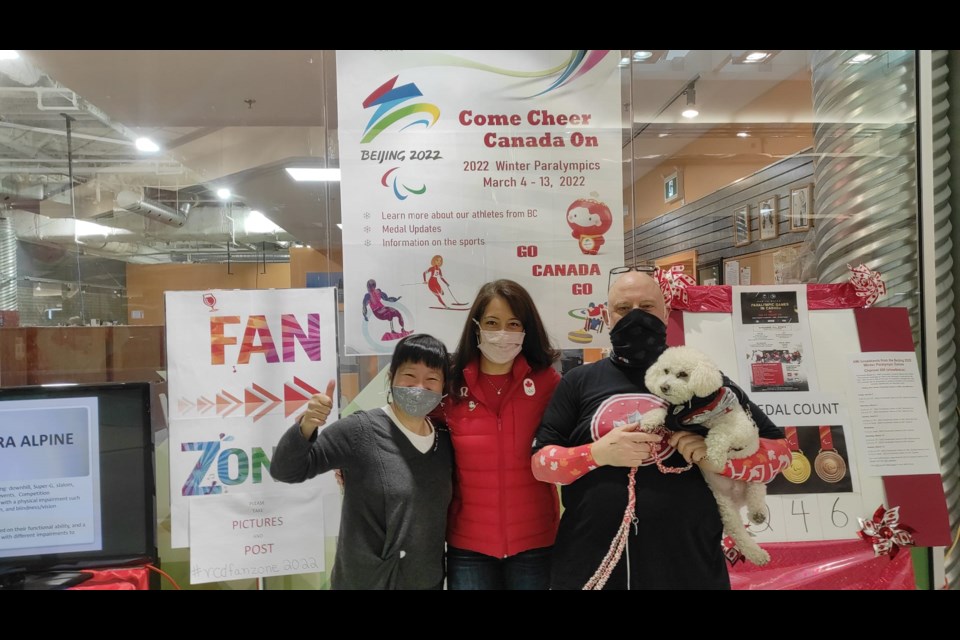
x: 463, y: 167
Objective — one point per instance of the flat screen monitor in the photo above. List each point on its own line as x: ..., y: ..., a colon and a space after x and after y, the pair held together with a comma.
x: 77, y: 483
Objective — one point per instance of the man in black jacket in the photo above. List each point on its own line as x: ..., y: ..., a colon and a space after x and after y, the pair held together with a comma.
x: 589, y: 439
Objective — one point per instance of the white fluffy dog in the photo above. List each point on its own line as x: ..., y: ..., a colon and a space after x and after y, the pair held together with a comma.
x: 678, y: 376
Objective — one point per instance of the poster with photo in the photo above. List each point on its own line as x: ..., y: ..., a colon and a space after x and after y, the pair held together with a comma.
x: 772, y: 335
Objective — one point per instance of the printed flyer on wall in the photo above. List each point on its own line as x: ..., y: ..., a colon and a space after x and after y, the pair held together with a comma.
x: 894, y: 429
x: 772, y: 334
x: 463, y: 167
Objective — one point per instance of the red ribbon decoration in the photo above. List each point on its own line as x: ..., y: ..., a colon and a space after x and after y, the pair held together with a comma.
x: 885, y: 532
x: 673, y: 284
x: 868, y: 284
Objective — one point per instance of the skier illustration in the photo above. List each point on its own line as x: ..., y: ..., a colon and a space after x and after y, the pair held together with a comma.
x: 374, y: 298
x: 433, y: 280
x: 432, y: 277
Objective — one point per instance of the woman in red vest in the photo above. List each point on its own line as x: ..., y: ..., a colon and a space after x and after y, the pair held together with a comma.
x: 502, y: 520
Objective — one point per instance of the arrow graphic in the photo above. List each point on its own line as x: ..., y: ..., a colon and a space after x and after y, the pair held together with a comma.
x: 294, y: 397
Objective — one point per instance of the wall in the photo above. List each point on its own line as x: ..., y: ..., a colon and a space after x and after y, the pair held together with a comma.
x: 717, y: 157
x: 953, y: 61
x: 101, y: 294
x: 46, y: 355
x: 146, y: 283
x: 760, y: 264
x: 707, y: 224
x: 89, y: 303
x: 305, y: 260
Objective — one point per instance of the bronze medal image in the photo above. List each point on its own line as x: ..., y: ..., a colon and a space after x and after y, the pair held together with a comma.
x: 830, y: 466
x: 799, y: 470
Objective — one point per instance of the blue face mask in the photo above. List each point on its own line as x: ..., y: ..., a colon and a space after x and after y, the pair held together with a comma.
x: 415, y: 401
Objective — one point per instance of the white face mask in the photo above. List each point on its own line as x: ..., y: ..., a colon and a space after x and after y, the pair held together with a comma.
x: 500, y: 347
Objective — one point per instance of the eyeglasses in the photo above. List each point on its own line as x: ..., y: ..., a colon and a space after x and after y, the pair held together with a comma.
x: 616, y: 271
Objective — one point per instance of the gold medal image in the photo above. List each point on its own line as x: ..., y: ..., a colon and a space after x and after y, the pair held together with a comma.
x: 799, y: 470
x: 830, y: 466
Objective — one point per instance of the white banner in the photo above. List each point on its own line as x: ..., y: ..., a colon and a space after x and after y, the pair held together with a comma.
x: 459, y: 168
x: 236, y: 536
x: 241, y: 367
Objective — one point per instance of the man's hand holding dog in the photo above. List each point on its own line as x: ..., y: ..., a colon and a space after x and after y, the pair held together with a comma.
x: 625, y: 446
x: 693, y: 448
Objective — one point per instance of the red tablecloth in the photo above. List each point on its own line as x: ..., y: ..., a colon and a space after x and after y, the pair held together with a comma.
x: 825, y: 565
x: 127, y: 579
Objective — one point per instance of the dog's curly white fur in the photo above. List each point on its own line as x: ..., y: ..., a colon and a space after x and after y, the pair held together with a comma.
x: 679, y: 375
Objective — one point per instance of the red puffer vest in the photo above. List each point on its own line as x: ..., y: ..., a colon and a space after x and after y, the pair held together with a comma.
x: 499, y: 509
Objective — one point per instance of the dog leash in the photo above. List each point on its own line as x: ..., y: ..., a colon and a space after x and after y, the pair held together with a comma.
x: 660, y: 446
x: 600, y: 577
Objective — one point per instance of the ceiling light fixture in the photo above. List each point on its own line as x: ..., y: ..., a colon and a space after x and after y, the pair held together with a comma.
x: 308, y: 174
x: 651, y: 56
x: 8, y: 54
x: 256, y: 222
x: 860, y: 58
x: 743, y: 134
x: 624, y: 62
x: 754, y: 58
x: 147, y: 145
x: 223, y: 194
x: 691, y: 110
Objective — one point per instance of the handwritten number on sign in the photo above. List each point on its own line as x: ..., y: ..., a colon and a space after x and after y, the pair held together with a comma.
x: 833, y: 515
x: 802, y: 512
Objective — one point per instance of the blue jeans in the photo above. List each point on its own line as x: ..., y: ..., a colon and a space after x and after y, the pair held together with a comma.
x: 469, y: 570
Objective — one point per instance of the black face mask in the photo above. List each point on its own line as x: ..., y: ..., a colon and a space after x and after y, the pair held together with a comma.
x: 638, y: 339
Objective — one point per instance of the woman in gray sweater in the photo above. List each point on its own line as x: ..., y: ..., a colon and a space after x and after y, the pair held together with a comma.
x: 398, y: 474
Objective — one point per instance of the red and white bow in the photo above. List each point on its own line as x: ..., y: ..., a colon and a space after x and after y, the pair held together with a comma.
x: 885, y: 532
x: 867, y: 283
x: 673, y: 283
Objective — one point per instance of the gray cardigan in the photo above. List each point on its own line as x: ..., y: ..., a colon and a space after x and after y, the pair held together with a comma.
x: 394, y: 516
